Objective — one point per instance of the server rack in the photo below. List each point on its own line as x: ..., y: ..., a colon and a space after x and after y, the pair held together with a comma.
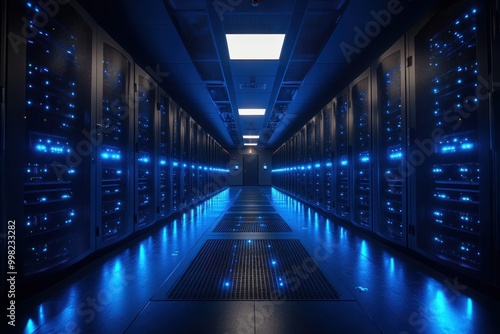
x: 328, y: 144
x: 389, y: 110
x: 360, y: 137
x: 165, y: 159
x: 176, y: 156
x: 309, y: 180
x: 317, y: 160
x: 145, y: 149
x: 115, y: 123
x: 449, y: 160
x: 48, y: 112
x: 303, y: 159
x: 342, y: 156
x: 186, y: 159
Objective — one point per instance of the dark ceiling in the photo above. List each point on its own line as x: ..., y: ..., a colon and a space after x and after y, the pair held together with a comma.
x: 182, y: 44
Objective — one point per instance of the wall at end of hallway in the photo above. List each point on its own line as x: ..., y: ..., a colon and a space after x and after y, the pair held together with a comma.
x: 265, y: 157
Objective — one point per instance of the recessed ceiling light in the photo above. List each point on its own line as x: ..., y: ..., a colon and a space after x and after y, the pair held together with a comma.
x: 255, y: 46
x: 252, y: 112
x: 250, y: 137
x: 250, y: 144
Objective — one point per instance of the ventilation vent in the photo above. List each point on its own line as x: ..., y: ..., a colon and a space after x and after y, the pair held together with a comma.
x: 253, y: 85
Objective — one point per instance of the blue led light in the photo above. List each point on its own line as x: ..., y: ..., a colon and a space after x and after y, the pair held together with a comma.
x: 467, y: 146
x: 175, y: 164
x: 344, y: 162
x: 163, y: 162
x: 396, y: 156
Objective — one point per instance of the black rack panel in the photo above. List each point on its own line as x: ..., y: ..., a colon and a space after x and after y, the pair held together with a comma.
x: 145, y: 156
x: 448, y: 181
x: 57, y: 164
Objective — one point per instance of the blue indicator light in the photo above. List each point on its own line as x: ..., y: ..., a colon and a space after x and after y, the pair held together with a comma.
x: 396, y: 156
x: 467, y: 146
x: 175, y: 164
x: 343, y: 162
x: 328, y: 164
x: 317, y: 166
x: 163, y: 162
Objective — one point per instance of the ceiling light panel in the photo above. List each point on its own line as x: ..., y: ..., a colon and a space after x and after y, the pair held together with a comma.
x: 250, y: 144
x: 255, y: 46
x: 250, y: 137
x: 252, y: 112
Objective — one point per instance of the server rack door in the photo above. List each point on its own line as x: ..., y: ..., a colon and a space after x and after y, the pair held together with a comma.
x: 201, y: 154
x: 360, y: 91
x: 294, y: 172
x: 186, y: 159
x: 449, y: 159
x: 328, y: 157
x: 390, y: 205
x: 145, y: 144
x: 309, y: 195
x: 176, y: 156
x: 303, y: 161
x: 342, y: 155
x: 164, y: 162
x: 115, y: 119
x: 317, y: 160
x: 49, y: 109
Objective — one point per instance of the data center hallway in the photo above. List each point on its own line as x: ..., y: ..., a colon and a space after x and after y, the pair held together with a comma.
x: 254, y: 260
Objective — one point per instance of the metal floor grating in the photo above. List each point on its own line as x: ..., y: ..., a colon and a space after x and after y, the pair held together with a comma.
x: 255, y: 269
x: 265, y: 222
x: 254, y: 208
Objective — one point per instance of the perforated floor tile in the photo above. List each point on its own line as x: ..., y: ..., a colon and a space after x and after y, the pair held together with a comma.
x: 254, y: 269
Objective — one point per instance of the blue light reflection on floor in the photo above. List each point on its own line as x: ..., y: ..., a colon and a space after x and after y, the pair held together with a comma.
x: 105, y: 298
x: 400, y: 296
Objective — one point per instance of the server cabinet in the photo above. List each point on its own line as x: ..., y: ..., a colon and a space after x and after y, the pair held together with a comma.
x: 202, y: 169
x: 165, y: 160
x: 317, y: 159
x: 342, y: 155
x: 186, y: 159
x: 388, y: 77
x: 309, y: 195
x: 360, y: 91
x: 303, y: 159
x: 48, y: 139
x: 115, y: 120
x: 449, y: 159
x: 296, y: 164
x: 195, y: 167
x: 146, y: 149
x: 328, y: 144
x: 176, y: 155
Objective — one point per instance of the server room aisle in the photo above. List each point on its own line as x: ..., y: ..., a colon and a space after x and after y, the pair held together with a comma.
x: 253, y: 260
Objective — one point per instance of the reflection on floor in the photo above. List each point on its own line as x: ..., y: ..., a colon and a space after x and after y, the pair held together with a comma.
x: 379, y: 290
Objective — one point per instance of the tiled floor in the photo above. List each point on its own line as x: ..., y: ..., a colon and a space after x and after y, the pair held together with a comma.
x: 381, y: 290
